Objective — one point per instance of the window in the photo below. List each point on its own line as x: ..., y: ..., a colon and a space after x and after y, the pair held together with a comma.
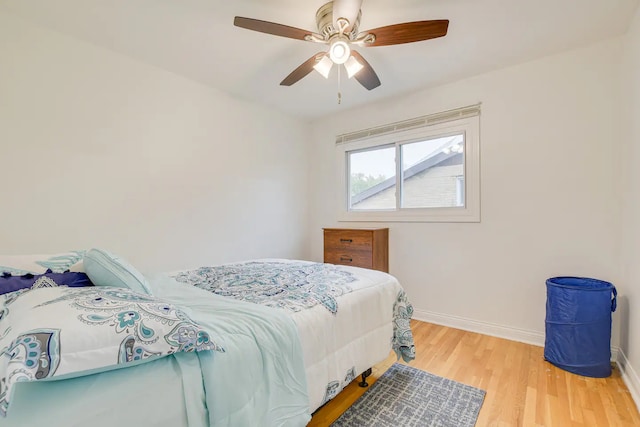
x: 426, y: 169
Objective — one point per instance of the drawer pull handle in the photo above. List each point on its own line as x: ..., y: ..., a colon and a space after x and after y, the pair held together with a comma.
x: 346, y: 240
x: 344, y: 258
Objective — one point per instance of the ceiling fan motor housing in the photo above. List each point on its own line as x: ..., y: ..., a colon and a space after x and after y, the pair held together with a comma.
x: 324, y: 19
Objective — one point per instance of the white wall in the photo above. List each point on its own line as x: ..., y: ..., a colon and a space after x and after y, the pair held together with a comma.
x: 97, y: 149
x: 630, y: 230
x: 549, y: 184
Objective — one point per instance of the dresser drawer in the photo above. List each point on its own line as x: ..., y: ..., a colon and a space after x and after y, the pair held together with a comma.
x: 347, y: 240
x: 356, y: 259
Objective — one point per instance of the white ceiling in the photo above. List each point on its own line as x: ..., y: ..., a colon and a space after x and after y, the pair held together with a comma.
x: 197, y: 39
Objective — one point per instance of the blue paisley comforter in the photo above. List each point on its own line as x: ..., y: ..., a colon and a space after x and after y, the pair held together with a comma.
x: 255, y: 378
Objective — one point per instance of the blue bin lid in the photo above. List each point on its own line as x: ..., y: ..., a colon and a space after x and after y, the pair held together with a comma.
x: 582, y: 283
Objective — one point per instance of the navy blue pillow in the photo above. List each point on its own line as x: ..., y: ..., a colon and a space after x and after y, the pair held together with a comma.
x: 9, y: 283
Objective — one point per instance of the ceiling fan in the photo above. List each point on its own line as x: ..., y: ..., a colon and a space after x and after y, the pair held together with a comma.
x: 338, y: 23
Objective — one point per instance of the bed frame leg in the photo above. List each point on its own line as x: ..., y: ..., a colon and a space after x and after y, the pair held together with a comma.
x: 364, y: 376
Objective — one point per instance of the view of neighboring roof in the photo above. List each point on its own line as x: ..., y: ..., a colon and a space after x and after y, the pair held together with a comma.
x: 440, y: 158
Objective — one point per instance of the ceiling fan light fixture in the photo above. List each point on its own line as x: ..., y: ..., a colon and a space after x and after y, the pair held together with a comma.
x: 339, y: 51
x: 324, y: 66
x: 352, y: 66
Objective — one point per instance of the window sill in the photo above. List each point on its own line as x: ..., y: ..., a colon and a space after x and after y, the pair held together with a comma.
x: 413, y: 215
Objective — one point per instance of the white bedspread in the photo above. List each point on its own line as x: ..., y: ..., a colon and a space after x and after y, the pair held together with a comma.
x: 339, y: 347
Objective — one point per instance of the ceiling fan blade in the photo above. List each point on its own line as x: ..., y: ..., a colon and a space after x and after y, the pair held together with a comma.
x: 366, y: 77
x: 271, y: 28
x: 409, y: 32
x: 305, y: 68
x: 348, y: 9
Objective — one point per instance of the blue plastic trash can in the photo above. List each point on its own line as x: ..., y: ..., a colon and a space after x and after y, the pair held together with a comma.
x: 578, y: 325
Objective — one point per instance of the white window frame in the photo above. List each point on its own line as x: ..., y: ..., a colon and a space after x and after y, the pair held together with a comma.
x: 469, y: 125
x: 460, y: 196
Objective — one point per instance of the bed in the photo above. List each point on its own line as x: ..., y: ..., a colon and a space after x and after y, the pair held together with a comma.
x: 290, y: 336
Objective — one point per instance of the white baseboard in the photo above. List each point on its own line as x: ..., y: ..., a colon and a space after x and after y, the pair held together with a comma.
x: 486, y: 328
x: 491, y: 329
x: 629, y: 376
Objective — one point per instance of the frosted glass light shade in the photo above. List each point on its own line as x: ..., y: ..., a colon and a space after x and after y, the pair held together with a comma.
x: 353, y: 66
x: 324, y: 66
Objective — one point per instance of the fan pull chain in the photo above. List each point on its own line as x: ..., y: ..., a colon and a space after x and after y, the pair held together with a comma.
x: 339, y: 93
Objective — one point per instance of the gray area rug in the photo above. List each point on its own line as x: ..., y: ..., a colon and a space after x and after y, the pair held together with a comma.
x: 408, y: 397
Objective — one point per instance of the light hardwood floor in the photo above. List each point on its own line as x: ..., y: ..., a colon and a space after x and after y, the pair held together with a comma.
x: 522, y: 389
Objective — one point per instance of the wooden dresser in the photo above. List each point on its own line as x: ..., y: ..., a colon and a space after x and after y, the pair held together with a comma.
x: 359, y: 247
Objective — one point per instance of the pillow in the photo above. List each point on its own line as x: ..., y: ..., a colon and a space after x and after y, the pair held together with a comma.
x: 56, y: 333
x: 39, y: 264
x: 9, y: 283
x: 106, y: 269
